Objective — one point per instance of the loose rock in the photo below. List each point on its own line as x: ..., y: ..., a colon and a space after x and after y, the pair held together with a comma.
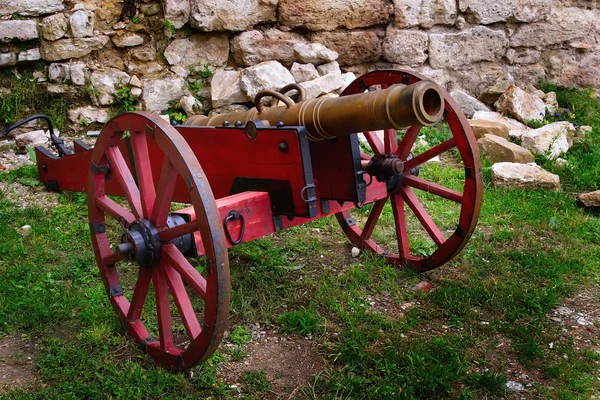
x: 129, y: 39
x: 498, y: 149
x: 523, y: 176
x: 591, y: 199
x: 304, y: 72
x: 422, y: 286
x: 481, y: 128
x: 521, y: 105
x: 88, y: 114
x: 550, y: 139
x: 226, y: 89
x: 497, y: 117
x: 468, y: 104
x: 29, y: 139
x: 267, y: 75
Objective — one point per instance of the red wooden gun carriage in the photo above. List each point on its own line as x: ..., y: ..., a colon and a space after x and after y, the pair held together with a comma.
x: 243, y: 176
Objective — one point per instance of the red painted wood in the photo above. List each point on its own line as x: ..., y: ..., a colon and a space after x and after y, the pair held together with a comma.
x: 434, y: 188
x: 114, y: 209
x: 429, y: 154
x: 374, y: 142
x: 373, y: 218
x: 415, y: 205
x: 143, y: 169
x: 163, y: 312
x: 140, y: 293
x: 400, y: 223
x: 175, y: 259
x: 165, y: 188
x: 407, y: 142
x: 120, y: 169
x: 390, y: 139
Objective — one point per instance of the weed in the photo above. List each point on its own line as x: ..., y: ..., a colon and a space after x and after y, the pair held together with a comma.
x: 176, y: 112
x: 301, y: 322
x: 239, y: 335
x: 256, y: 381
x: 125, y: 100
x: 169, y: 27
x: 135, y: 19
x: 488, y: 382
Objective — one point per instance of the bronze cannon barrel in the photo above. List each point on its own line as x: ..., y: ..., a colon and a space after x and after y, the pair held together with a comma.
x: 397, y: 107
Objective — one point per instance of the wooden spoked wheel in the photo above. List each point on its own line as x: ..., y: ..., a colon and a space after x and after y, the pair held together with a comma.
x: 181, y: 320
x: 409, y: 189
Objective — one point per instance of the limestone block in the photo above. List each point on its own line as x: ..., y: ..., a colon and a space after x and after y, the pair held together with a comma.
x: 497, y: 117
x: 239, y: 15
x: 59, y: 72
x: 18, y: 30
x: 225, y: 89
x: 347, y: 79
x: 158, y: 93
x: 253, y: 47
x: 30, y: 139
x: 199, y: 50
x: 521, y: 105
x: 232, y: 108
x: 481, y: 128
x: 405, y: 47
x: 329, y: 68
x: 78, y: 73
x: 304, y: 72
x: 322, y: 85
x: 129, y: 39
x: 54, y: 26
x: 489, y: 12
x: 498, y: 149
x: 177, y: 12
x: 29, y: 55
x: 267, y: 75
x: 30, y: 7
x: 353, y: 47
x: 424, y: 13
x: 523, y: 55
x: 190, y: 105
x: 314, y: 53
x: 82, y: 23
x: 453, y: 50
x: 327, y: 15
x: 551, y: 139
x: 88, y: 114
x: 8, y: 59
x: 573, y: 68
x: 107, y: 82
x: 468, y: 104
x: 71, y: 48
x: 523, y: 176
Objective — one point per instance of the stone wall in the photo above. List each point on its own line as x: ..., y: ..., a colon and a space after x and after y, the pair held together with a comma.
x: 170, y: 49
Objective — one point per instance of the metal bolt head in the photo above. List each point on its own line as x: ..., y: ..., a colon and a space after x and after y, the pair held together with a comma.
x: 283, y: 146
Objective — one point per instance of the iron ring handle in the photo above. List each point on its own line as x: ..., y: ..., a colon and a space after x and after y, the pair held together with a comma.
x: 234, y: 215
x: 265, y: 93
x: 293, y: 86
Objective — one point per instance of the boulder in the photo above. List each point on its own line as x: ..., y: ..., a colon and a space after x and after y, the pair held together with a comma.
x: 319, y: 15
x: 523, y: 176
x: 82, y: 24
x: 353, y: 47
x: 158, y: 93
x: 424, y: 13
x: 177, y: 12
x: 30, y: 7
x: 453, y: 50
x: 190, y: 105
x: 18, y: 30
x: 552, y: 139
x: 29, y: 55
x: 314, y: 53
x: 521, y: 105
x: 54, y: 27
x: 405, y: 47
x: 468, y: 104
x: 88, y: 114
x: 304, y: 72
x: 329, y: 68
x: 199, y: 50
x: 322, y: 85
x: 498, y: 149
x: 497, y: 117
x: 591, y: 199
x: 225, y: 89
x: 106, y: 84
x: 239, y: 15
x: 266, y: 75
x: 71, y: 48
x: 253, y: 47
x: 30, y: 139
x: 128, y: 39
x: 482, y: 127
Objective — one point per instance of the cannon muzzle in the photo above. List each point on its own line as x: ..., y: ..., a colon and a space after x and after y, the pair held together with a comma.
x: 397, y: 107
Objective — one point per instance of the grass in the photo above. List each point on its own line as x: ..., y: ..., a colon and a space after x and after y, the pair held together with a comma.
x: 486, y: 321
x: 25, y: 97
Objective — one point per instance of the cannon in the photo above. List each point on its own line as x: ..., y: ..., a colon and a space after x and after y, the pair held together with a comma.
x: 160, y: 196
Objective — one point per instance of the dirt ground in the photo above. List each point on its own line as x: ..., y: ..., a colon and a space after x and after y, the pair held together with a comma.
x: 17, y: 362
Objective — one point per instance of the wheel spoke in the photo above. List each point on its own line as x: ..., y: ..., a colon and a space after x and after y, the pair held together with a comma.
x: 139, y: 143
x: 415, y: 205
x: 165, y: 329
x: 400, y: 222
x: 434, y: 188
x: 114, y: 209
x: 119, y: 168
x: 176, y: 260
x: 139, y: 294
x: 180, y: 230
x: 408, y: 141
x: 182, y: 300
x: 429, y: 154
x: 373, y: 218
x: 374, y: 141
x: 390, y: 138
x: 164, y: 194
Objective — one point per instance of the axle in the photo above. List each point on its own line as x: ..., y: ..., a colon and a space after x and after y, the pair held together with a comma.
x: 326, y: 118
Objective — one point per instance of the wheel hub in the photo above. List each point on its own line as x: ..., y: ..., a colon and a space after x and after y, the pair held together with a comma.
x: 142, y: 244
